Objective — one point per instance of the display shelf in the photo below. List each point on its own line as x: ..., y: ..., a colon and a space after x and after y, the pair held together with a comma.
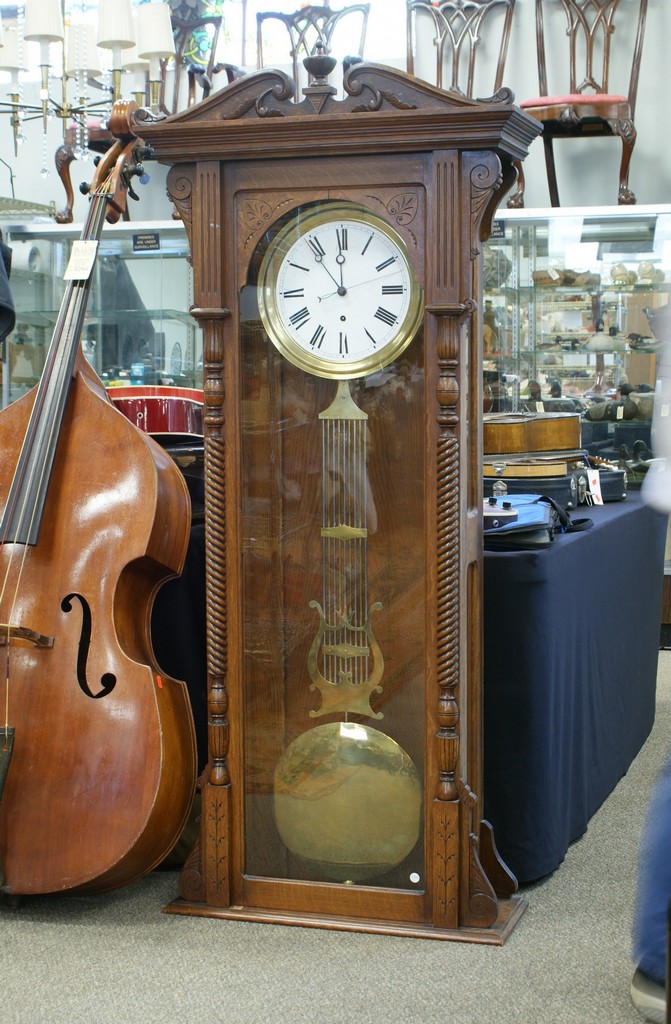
x: 137, y: 325
x: 567, y: 303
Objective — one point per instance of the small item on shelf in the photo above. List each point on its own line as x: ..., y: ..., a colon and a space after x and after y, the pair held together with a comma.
x: 639, y: 343
x: 619, y: 274
x: 558, y: 277
x: 648, y: 273
x: 490, y: 328
x: 574, y: 311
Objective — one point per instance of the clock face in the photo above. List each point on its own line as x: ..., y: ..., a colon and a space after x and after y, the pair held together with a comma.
x: 337, y: 292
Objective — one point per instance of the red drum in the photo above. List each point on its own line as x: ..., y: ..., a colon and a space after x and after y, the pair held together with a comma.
x: 161, y: 410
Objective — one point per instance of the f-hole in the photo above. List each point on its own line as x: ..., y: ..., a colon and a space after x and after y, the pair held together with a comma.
x: 107, y: 680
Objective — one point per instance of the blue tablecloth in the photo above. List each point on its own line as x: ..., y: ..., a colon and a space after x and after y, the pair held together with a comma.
x: 571, y: 640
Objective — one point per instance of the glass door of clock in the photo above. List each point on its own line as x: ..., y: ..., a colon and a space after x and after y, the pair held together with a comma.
x: 333, y: 608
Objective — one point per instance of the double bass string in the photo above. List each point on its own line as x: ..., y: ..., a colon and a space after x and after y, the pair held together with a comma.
x: 43, y: 428
x: 29, y: 478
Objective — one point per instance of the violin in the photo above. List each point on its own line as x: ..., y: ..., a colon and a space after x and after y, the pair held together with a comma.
x: 97, y: 750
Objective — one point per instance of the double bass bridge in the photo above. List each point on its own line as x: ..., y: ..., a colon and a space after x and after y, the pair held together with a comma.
x: 9, y: 632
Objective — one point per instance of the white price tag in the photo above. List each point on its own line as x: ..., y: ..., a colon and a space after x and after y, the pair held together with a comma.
x: 619, y: 412
x: 595, y: 487
x: 82, y: 258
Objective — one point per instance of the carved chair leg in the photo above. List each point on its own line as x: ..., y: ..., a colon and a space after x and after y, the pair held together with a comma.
x: 551, y: 170
x: 64, y: 157
x: 516, y: 201
x: 627, y: 133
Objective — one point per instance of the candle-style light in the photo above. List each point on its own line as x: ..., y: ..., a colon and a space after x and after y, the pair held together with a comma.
x: 155, y: 42
x: 44, y: 25
x: 82, y: 63
x: 115, y: 33
x: 11, y: 61
x: 134, y: 65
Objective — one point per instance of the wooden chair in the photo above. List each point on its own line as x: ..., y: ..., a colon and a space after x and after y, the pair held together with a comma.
x: 458, y: 28
x: 307, y: 30
x: 195, y: 51
x: 586, y: 107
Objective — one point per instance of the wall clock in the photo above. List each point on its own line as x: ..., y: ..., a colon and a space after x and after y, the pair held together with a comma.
x: 336, y: 248
x: 337, y: 292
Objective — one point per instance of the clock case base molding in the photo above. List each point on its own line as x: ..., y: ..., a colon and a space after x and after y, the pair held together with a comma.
x: 509, y: 913
x: 437, y: 165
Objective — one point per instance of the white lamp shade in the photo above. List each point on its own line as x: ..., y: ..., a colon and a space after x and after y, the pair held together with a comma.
x: 9, y: 52
x: 44, y: 21
x: 83, y: 53
x: 131, y: 60
x: 154, y: 31
x: 115, y: 25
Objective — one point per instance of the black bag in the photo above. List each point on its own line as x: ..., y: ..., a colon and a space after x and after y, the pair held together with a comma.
x: 539, y: 520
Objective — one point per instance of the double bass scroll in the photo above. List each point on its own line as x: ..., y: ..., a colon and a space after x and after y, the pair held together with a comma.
x: 95, y: 517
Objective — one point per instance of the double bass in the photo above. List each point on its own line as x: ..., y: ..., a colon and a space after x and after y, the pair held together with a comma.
x: 97, y: 750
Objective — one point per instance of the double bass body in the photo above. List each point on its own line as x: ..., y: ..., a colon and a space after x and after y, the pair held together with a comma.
x: 102, y: 772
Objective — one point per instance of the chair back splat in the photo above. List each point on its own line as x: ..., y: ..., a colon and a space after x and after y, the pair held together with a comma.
x: 581, y: 103
x: 458, y: 30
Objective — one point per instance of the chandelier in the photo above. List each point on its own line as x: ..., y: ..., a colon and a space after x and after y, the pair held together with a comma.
x: 81, y: 53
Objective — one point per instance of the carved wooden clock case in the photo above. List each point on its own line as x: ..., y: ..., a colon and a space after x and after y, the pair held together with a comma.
x: 336, y: 255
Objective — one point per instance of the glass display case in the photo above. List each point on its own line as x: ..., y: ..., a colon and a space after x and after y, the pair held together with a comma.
x: 137, y: 328
x: 573, y: 306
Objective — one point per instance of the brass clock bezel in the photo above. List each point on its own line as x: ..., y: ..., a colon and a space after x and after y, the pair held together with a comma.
x: 297, y: 226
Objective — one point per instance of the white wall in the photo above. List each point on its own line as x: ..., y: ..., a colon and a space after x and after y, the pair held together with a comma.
x: 587, y: 170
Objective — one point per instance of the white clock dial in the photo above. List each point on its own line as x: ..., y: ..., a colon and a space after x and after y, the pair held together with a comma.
x: 337, y: 292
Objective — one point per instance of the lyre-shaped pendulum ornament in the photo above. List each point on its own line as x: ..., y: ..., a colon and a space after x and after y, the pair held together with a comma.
x: 347, y: 796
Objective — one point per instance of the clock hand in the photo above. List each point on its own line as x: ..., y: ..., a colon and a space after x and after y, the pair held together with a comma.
x: 340, y: 260
x: 358, y: 284
x: 340, y: 289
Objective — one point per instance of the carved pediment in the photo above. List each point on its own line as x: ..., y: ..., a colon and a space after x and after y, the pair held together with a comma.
x: 368, y: 88
x: 382, y: 109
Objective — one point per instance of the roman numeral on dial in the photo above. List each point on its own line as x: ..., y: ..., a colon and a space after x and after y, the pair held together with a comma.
x: 300, y: 317
x: 318, y: 337
x: 317, y: 247
x: 385, y: 316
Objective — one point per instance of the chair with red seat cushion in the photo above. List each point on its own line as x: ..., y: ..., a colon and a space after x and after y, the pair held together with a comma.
x: 587, y: 108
